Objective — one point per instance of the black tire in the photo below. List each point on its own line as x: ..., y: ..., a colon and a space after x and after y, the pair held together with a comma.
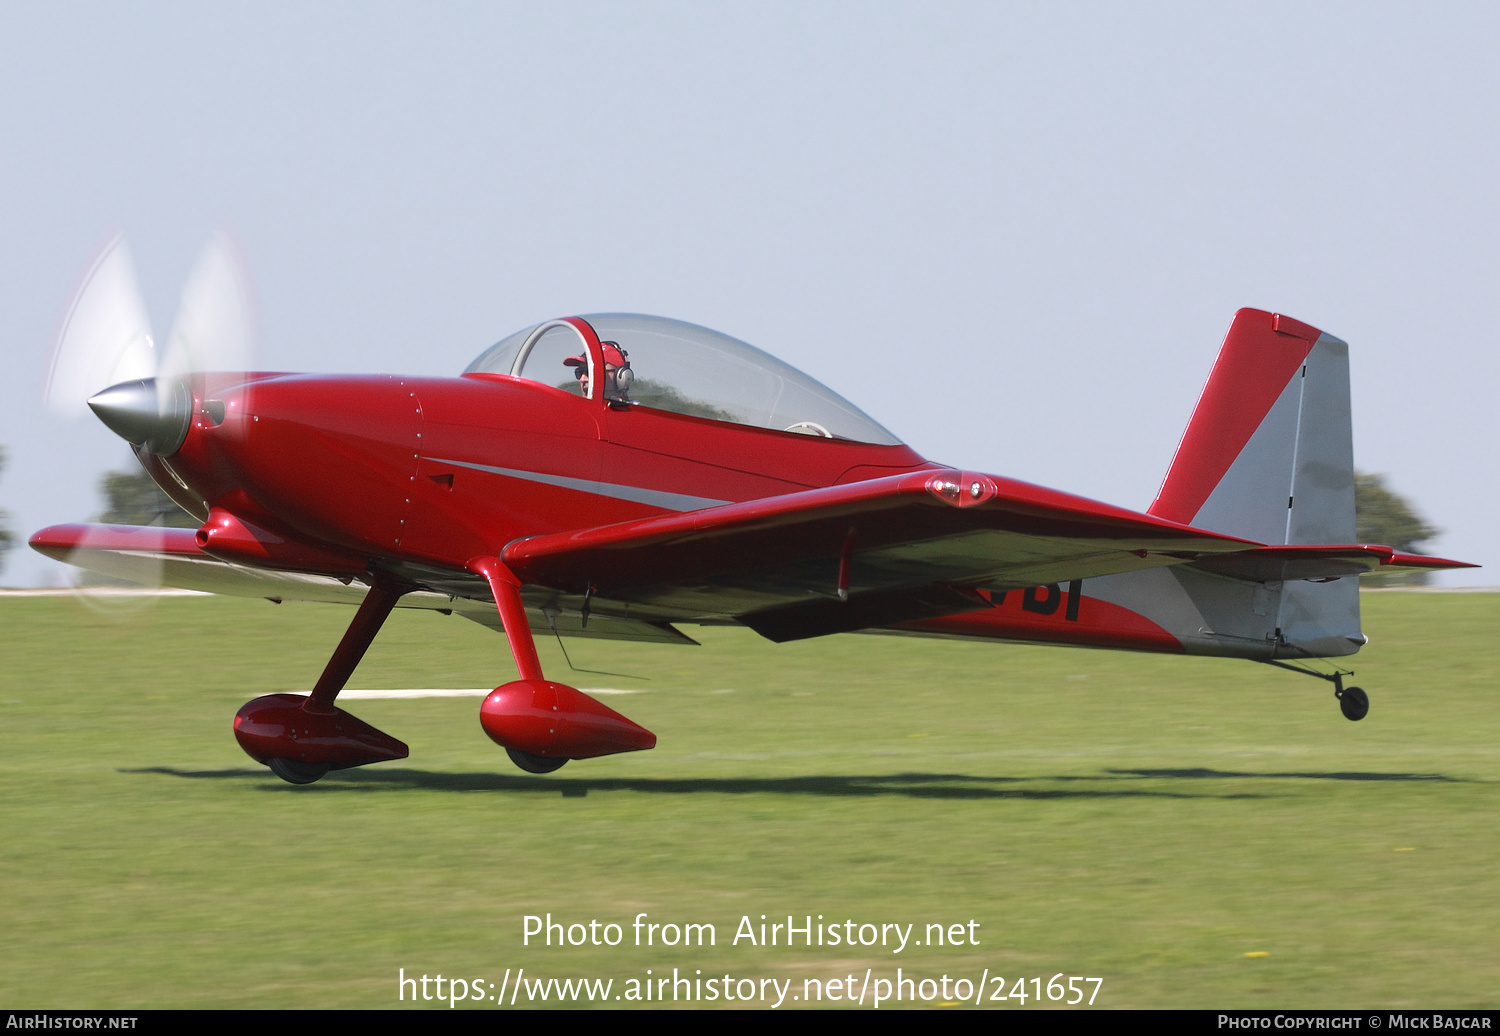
x: 534, y: 763
x: 295, y: 771
x: 1354, y: 703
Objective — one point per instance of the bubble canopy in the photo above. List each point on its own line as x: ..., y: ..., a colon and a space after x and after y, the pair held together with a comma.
x: 687, y: 369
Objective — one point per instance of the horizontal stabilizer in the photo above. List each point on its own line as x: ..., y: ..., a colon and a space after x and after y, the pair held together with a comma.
x: 1318, y: 562
x: 1421, y: 562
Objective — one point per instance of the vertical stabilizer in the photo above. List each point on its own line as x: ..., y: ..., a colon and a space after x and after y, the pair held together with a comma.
x: 1268, y: 455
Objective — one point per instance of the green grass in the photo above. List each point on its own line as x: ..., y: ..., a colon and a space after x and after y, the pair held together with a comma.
x: 1149, y: 820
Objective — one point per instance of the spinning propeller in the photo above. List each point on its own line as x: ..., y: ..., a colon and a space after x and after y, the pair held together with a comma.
x: 105, y: 354
x: 105, y: 358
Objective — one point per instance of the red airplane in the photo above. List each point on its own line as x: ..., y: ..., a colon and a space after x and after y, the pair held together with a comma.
x: 614, y: 476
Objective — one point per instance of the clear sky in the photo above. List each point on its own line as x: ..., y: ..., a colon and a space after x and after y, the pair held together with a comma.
x: 1014, y: 234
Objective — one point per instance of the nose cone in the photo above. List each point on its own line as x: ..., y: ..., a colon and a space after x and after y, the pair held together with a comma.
x: 154, y: 413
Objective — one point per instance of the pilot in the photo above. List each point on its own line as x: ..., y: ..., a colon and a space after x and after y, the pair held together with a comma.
x: 618, y: 377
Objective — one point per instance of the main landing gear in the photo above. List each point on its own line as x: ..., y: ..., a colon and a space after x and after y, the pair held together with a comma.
x: 302, y: 738
x: 540, y: 724
x: 1354, y: 703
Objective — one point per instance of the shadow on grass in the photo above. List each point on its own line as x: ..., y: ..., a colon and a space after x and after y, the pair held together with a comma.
x: 909, y: 785
x: 1202, y: 773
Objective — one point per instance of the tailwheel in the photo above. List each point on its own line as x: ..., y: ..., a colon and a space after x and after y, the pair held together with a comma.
x: 295, y: 771
x: 533, y: 763
x: 1354, y: 703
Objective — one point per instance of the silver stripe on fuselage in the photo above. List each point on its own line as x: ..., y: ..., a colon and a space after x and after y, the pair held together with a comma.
x: 635, y: 494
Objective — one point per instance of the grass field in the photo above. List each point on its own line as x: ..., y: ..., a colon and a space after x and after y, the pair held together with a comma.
x: 1150, y: 821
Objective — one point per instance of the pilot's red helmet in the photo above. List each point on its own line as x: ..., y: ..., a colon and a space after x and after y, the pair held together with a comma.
x: 614, y: 356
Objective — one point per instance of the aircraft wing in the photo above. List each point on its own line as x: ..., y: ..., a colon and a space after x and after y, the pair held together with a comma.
x: 855, y: 556
x: 156, y: 556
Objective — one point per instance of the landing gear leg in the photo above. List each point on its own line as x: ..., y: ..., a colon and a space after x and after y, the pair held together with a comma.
x: 373, y: 611
x: 507, y: 593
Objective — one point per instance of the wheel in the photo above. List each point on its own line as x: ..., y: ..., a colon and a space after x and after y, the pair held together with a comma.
x: 295, y: 771
x: 1354, y: 703
x: 534, y: 763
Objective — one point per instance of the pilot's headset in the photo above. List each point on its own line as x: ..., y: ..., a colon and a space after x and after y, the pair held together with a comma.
x: 617, y: 384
